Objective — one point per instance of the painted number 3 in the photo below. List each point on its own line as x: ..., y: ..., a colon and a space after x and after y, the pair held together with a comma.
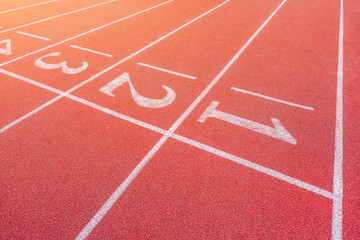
x: 64, y: 68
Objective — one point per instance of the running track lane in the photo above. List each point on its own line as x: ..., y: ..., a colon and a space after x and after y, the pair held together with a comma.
x: 67, y: 81
x: 136, y: 172
x: 70, y: 26
x: 38, y: 13
x: 276, y: 64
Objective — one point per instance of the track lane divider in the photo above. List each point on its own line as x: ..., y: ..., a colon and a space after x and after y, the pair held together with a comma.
x: 34, y: 36
x: 337, y: 214
x: 167, y: 71
x: 60, y: 15
x: 92, y: 51
x: 271, y: 98
x: 33, y: 5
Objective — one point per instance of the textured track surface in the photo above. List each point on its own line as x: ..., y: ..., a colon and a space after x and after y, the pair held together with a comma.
x: 179, y: 119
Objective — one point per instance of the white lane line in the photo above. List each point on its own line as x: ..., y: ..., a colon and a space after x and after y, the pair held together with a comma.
x: 180, y: 138
x: 82, y: 34
x: 24, y: 79
x: 60, y: 15
x: 37, y: 4
x: 338, y: 161
x: 168, y: 71
x: 34, y: 36
x: 117, y: 114
x: 271, y: 98
x: 256, y: 167
x: 92, y: 51
x: 118, y: 192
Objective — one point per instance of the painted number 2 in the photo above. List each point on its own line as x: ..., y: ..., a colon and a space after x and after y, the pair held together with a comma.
x: 140, y: 100
x: 63, y: 66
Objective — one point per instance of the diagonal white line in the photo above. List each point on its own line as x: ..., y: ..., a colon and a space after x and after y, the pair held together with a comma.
x: 255, y: 166
x: 89, y: 50
x: 33, y: 5
x: 338, y: 161
x: 60, y: 15
x: 24, y: 79
x: 34, y: 36
x: 167, y: 71
x: 271, y: 98
x: 82, y: 34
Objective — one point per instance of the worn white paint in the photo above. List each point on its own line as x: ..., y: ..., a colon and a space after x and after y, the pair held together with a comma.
x: 279, y: 132
x: 140, y: 100
x: 271, y: 98
x: 63, y: 65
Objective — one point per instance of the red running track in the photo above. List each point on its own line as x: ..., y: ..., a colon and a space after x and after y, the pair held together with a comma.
x: 179, y: 119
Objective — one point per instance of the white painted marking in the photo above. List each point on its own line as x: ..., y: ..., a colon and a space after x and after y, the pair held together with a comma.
x: 7, y: 49
x: 338, y: 161
x: 168, y: 71
x: 30, y: 114
x: 193, y: 143
x: 273, y: 99
x: 106, y: 207
x: 33, y: 5
x: 140, y: 100
x: 82, y: 34
x: 255, y: 166
x: 92, y: 51
x: 34, y: 36
x: 60, y: 15
x: 64, y: 68
x: 279, y: 132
